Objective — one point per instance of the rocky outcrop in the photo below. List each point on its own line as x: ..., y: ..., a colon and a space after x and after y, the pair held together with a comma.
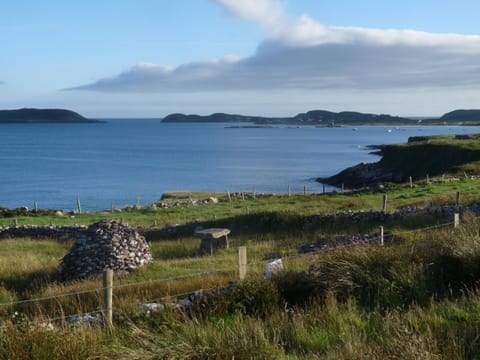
x: 362, y: 175
x: 108, y: 244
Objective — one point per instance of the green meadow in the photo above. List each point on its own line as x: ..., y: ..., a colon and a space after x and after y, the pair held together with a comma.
x: 414, y: 298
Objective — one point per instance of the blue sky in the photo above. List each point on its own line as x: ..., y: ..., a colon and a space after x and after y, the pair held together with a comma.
x: 148, y: 58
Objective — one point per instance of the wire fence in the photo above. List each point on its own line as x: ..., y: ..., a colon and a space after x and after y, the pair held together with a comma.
x: 373, y: 240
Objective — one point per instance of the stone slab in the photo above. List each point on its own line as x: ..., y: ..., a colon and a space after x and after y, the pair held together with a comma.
x: 213, y: 233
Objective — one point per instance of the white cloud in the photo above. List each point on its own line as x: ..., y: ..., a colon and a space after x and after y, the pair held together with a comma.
x: 268, y: 13
x: 305, y: 54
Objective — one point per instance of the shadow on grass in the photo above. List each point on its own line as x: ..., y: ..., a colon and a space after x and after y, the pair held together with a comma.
x: 28, y: 283
x: 291, y: 225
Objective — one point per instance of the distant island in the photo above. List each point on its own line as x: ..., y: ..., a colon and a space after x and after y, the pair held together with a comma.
x: 325, y: 118
x: 32, y: 116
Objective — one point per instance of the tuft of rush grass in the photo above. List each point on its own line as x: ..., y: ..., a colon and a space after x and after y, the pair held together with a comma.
x: 332, y: 330
x: 21, y: 339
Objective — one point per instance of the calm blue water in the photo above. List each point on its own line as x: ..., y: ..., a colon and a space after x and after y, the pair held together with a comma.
x: 125, y: 159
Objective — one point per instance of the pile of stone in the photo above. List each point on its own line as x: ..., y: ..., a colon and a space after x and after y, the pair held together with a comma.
x: 189, y: 202
x: 108, y: 244
x: 439, y: 211
x: 339, y: 241
x: 201, y: 298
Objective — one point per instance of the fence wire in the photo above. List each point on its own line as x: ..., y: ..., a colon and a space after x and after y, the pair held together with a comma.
x: 206, y: 273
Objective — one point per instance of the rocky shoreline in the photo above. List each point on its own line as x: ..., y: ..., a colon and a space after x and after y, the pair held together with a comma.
x: 419, y: 157
x: 362, y: 175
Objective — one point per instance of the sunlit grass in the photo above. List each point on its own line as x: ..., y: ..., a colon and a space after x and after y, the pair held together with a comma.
x: 400, y: 301
x: 399, y: 196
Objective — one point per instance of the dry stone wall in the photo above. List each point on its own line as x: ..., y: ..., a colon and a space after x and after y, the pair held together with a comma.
x: 41, y: 232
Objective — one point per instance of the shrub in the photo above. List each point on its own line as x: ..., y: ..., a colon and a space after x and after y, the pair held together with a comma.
x: 295, y: 288
x: 257, y: 297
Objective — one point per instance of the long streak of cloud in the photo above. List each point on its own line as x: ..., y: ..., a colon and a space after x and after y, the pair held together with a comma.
x: 305, y: 54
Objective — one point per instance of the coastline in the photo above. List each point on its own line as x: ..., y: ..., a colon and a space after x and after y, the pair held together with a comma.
x: 420, y: 157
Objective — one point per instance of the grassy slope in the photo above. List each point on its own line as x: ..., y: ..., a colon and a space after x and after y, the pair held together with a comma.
x: 393, y: 309
x: 369, y: 303
x: 435, y: 155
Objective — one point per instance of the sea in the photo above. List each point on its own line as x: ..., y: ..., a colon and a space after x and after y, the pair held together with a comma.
x: 124, y: 162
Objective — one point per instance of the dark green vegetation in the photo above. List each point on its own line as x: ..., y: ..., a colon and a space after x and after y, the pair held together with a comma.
x: 42, y: 116
x: 466, y: 116
x: 434, y: 155
x: 422, y: 156
x: 413, y: 299
x: 329, y: 118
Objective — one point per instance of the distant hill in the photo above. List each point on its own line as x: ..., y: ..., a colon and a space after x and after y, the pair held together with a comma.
x: 348, y: 118
x: 213, y: 118
x: 314, y: 117
x: 42, y: 116
x: 462, y: 115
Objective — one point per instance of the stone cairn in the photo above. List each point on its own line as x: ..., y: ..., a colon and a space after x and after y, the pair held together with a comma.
x: 108, y: 244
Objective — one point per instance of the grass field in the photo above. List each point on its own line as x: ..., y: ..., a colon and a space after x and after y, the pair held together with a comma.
x: 362, y: 303
x: 399, y: 195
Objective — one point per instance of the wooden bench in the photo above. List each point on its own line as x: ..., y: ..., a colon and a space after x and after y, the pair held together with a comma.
x: 212, y: 239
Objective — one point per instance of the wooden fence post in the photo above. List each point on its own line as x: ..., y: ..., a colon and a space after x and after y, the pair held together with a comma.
x: 380, y: 230
x: 456, y: 220
x: 242, y: 262
x: 411, y: 182
x: 108, y: 296
x: 229, y: 197
x: 457, y: 198
x: 289, y: 190
x: 384, y: 203
x: 35, y: 206
x: 343, y: 187
x: 254, y: 192
x: 428, y: 179
x: 79, y: 206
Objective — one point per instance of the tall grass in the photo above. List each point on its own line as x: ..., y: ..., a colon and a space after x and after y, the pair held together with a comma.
x: 416, y: 299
